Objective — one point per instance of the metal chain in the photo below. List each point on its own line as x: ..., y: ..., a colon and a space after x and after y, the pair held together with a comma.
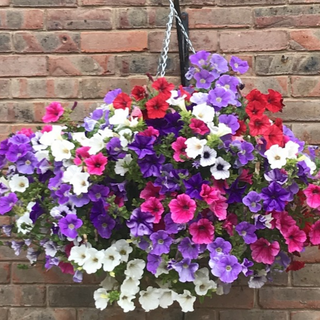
x: 165, y: 49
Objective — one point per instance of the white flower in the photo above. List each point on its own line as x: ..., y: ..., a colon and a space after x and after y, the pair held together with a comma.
x: 199, y: 97
x: 80, y: 183
x: 120, y: 116
x: 203, y: 112
x: 277, y: 156
x: 135, y: 268
x: 202, y: 287
x: 70, y: 173
x: 18, y: 183
x: 79, y: 254
x: 194, y: 147
x: 312, y: 166
x: 56, y: 212
x: 208, y: 157
x: 111, y: 259
x: 149, y: 299
x: 96, y: 143
x: 186, y: 301
x: 130, y: 286
x: 201, y: 274
x: 220, y: 170
x: 28, y: 224
x: 175, y: 100
x: 122, y: 165
x: 123, y: 134
x: 109, y: 283
x: 220, y: 130
x: 36, y: 145
x: 123, y: 248
x: 61, y: 149
x: 42, y: 154
x: 292, y: 149
x: 162, y: 269
x: 101, y: 298
x: 94, y: 262
x: 48, y: 138
x: 105, y: 133
x: 81, y: 138
x: 125, y: 302
x: 167, y: 297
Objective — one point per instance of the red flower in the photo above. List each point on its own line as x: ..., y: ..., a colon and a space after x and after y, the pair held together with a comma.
x: 295, y: 266
x: 122, y: 101
x: 274, y: 101
x: 274, y: 135
x: 157, y: 107
x: 139, y: 93
x: 256, y: 95
x: 198, y: 126
x: 242, y: 129
x: 259, y: 125
x: 163, y: 86
x: 255, y: 108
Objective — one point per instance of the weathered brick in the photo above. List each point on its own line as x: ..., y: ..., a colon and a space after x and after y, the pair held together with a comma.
x: 15, y: 66
x: 201, y: 314
x: 5, y: 42
x: 113, y: 3
x: 288, y: 298
x: 79, y: 65
x: 252, y: 315
x: 201, y: 40
x: 13, y: 111
x: 310, y: 133
x: 171, y: 313
x: 44, y: 3
x: 26, y: 42
x: 71, y: 19
x: 257, y: 40
x: 263, y: 84
x: 21, y: 19
x: 20, y: 296
x: 288, y: 64
x: 5, y: 272
x: 248, y: 2
x: 305, y: 315
x: 114, y: 41
x: 41, y: 314
x: 71, y: 296
x: 132, y: 18
x: 304, y: 1
x: 111, y: 313
x: 301, y: 40
x: 5, y: 88
x: 287, y: 16
x: 305, y: 86
x: 311, y: 254
x: 4, y: 3
x: 45, y: 88
x: 307, y: 276
x: 192, y: 3
x: 220, y: 18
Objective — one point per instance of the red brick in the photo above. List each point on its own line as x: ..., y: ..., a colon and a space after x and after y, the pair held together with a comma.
x: 252, y: 315
x: 201, y: 314
x: 5, y: 42
x: 248, y: 2
x: 113, y: 3
x: 21, y: 19
x: 269, y: 40
x: 304, y: 1
x: 26, y: 42
x: 5, y: 88
x: 44, y: 3
x: 287, y: 16
x: 201, y: 40
x: 305, y: 39
x: 45, y: 88
x: 79, y: 65
x: 305, y: 86
x: 305, y: 315
x: 310, y: 255
x: 70, y: 19
x: 20, y: 296
x: 4, y: 3
x: 43, y: 314
x: 289, y: 298
x: 6, y: 253
x: 5, y: 272
x: 15, y: 66
x: 114, y: 41
x: 220, y: 17
x: 310, y: 132
x: 113, y: 313
x: 14, y: 112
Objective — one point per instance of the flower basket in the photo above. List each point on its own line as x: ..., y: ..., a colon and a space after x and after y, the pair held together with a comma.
x: 185, y: 189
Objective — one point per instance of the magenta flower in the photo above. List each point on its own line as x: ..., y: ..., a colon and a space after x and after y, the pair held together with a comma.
x: 69, y: 225
x: 312, y: 193
x: 295, y: 239
x: 53, y: 112
x: 96, y: 164
x: 314, y: 233
x: 182, y: 209
x: 264, y: 251
x: 202, y: 231
x: 153, y: 206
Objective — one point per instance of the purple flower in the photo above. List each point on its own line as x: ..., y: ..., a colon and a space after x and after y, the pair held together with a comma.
x: 238, y: 65
x: 7, y: 203
x: 252, y: 200
x: 63, y: 193
x: 219, y: 248
x: 51, y: 262
x: 17, y: 246
x: 274, y: 197
x: 17, y: 151
x: 80, y: 201
x: 78, y: 276
x: 161, y: 242
x: 219, y: 64
x: 27, y: 163
x: 247, y: 231
x: 282, y: 259
x: 188, y: 249
x: 193, y: 186
x: 19, y: 139
x: 150, y: 165
x: 227, y: 268
x: 276, y: 175
x: 153, y: 262
x: 231, y: 121
x: 4, y: 147
x: 170, y: 226
x: 97, y: 114
x: 200, y: 58
x: 228, y: 82
x: 140, y: 223
x: 186, y: 270
x: 219, y: 98
x: 190, y: 73
x: 111, y: 95
x: 36, y: 212
x: 293, y: 189
x: 69, y: 225
x: 142, y: 145
x: 246, y: 264
x: 114, y: 149
x: 235, y: 192
x: 7, y: 229
x: 104, y: 225
x: 98, y: 192
x: 204, y: 79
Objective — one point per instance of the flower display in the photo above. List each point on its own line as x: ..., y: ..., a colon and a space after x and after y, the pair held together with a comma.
x: 172, y: 194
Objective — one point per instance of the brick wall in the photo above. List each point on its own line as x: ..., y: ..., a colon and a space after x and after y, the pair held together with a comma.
x: 71, y: 50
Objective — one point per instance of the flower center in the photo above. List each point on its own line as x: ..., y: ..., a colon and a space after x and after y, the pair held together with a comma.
x: 66, y: 151
x: 185, y: 266
x: 220, y: 167
x: 218, y: 99
x: 71, y: 226
x: 160, y: 241
x: 104, y: 225
x: 202, y: 81
x: 228, y: 268
x: 277, y: 157
x: 206, y: 155
x: 21, y: 185
x: 28, y: 162
x: 218, y: 250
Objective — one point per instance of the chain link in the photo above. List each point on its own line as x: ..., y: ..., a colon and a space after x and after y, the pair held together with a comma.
x: 165, y: 49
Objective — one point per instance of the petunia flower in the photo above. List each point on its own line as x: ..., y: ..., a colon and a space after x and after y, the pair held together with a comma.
x: 182, y: 208
x: 264, y: 251
x: 202, y: 231
x: 53, y: 112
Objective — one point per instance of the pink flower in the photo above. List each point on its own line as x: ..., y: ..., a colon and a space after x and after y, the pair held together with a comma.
x: 136, y: 112
x: 26, y: 131
x: 179, y: 148
x: 209, y: 194
x: 264, y: 251
x: 245, y: 176
x: 81, y: 154
x: 202, y: 231
x: 182, y: 209
x: 153, y: 206
x: 230, y: 222
x: 198, y: 126
x: 46, y: 128
x: 53, y: 112
x: 284, y: 221
x: 96, y: 164
x: 312, y: 193
x: 314, y: 233
x: 150, y: 132
x: 151, y: 191
x: 295, y: 239
x: 219, y: 207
